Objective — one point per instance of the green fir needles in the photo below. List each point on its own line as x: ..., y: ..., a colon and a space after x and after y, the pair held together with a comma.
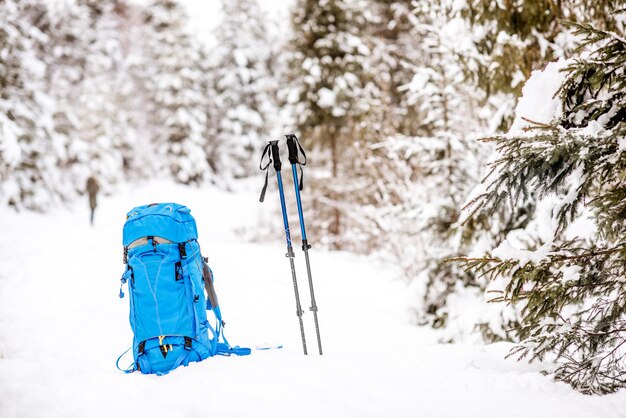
x: 571, y: 292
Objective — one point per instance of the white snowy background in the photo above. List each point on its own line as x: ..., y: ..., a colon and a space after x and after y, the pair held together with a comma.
x: 62, y: 325
x: 205, y: 17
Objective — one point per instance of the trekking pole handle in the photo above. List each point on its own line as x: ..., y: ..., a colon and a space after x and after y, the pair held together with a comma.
x: 293, y: 145
x: 293, y: 148
x: 275, y: 155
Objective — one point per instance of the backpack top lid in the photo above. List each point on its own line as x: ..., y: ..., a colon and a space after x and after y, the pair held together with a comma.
x: 166, y: 220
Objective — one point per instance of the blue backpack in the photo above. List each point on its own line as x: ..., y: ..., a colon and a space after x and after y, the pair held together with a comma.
x: 167, y: 278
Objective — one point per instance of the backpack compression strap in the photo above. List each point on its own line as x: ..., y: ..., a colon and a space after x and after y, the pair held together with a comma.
x: 223, y: 348
x: 207, y: 275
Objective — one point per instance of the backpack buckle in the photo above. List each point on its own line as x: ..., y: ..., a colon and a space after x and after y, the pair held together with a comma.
x: 187, y: 344
x: 179, y: 271
x: 181, y: 249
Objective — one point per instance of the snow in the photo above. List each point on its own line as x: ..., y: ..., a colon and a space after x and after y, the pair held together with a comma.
x: 63, y: 327
x: 571, y: 273
x: 205, y: 16
x: 327, y: 98
x: 506, y: 251
x: 538, y: 102
x: 621, y: 143
x: 9, y: 146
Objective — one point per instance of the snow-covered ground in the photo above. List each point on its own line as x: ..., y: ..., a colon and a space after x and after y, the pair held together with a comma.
x: 62, y: 327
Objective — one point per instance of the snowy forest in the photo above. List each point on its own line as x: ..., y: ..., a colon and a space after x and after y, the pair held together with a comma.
x: 477, y: 145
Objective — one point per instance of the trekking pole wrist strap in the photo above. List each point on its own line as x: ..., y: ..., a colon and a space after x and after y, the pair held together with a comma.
x: 266, y: 151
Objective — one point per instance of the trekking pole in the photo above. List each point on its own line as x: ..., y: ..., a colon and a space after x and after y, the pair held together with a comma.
x: 293, y: 145
x: 272, y: 151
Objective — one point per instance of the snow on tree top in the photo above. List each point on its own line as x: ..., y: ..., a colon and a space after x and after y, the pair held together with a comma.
x: 538, y: 102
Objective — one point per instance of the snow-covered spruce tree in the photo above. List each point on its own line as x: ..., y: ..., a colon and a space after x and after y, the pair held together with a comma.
x: 30, y: 176
x: 177, y: 105
x: 331, y: 91
x: 103, y: 141
x: 413, y: 187
x: 242, y: 78
x: 140, y: 154
x: 450, y: 158
x: 516, y: 37
x: 499, y: 33
x: 69, y: 35
x: 571, y: 291
x: 395, y: 55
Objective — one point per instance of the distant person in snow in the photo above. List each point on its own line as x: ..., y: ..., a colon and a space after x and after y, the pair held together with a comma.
x: 92, y: 190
